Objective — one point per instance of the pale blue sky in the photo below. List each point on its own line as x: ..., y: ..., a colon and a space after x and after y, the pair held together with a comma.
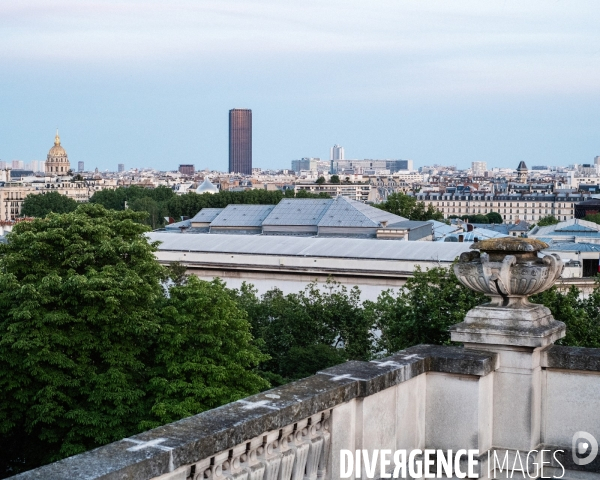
x: 149, y: 83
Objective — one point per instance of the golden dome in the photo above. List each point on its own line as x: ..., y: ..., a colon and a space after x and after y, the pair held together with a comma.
x: 57, y: 150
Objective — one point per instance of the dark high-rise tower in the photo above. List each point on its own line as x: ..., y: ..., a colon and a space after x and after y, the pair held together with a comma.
x: 240, y: 141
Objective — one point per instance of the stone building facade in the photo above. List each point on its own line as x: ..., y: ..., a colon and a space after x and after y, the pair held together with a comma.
x: 527, y: 207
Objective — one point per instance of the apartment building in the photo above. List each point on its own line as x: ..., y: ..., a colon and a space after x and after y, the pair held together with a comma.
x: 514, y: 207
x: 354, y: 191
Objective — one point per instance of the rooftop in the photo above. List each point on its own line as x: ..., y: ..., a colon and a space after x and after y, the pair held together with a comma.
x: 242, y: 216
x: 356, y: 248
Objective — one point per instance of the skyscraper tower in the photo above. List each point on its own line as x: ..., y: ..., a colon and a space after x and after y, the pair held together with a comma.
x: 240, y: 141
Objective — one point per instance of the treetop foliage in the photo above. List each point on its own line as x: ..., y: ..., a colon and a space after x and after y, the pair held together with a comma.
x: 547, y: 220
x: 408, y: 207
x: 40, y: 205
x: 95, y: 348
x: 594, y: 217
x: 492, y: 217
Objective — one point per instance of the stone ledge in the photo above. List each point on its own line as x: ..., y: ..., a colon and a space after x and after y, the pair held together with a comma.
x: 187, y: 441
x: 571, y: 358
x: 457, y: 360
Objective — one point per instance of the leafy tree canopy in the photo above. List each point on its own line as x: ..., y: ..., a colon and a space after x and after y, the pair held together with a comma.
x: 320, y: 180
x: 94, y: 348
x: 304, y: 332
x: 594, y: 217
x: 430, y: 302
x: 42, y: 204
x: 334, y: 179
x: 492, y: 217
x: 407, y: 206
x: 547, y: 220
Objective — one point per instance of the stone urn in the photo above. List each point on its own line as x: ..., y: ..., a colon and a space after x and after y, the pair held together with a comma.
x: 508, y: 270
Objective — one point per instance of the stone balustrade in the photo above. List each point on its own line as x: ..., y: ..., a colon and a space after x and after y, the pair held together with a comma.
x: 422, y: 397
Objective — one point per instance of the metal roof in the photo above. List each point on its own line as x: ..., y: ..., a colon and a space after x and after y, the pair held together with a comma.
x: 178, y: 225
x: 356, y: 248
x: 409, y: 224
x: 300, y: 211
x: 344, y: 212
x: 242, y: 216
x: 478, y: 233
x: 441, y: 229
x: 574, y: 247
x: 496, y: 227
x: 206, y: 215
x: 577, y: 227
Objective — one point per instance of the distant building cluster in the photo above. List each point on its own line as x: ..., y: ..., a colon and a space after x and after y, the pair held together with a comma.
x: 17, y: 182
x: 516, y: 194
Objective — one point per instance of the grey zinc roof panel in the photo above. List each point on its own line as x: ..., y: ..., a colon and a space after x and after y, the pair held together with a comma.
x: 206, y: 215
x: 242, y: 216
x: 574, y: 247
x: 298, y: 212
x: 358, y: 248
x: 178, y: 225
x: 344, y: 212
x: 409, y: 224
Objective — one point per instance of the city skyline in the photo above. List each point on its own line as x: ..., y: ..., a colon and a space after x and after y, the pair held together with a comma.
x: 434, y: 82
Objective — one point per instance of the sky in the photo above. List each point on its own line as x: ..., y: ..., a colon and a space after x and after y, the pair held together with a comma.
x: 150, y: 83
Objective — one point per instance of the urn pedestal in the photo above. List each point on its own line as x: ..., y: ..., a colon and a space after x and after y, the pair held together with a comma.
x: 508, y: 270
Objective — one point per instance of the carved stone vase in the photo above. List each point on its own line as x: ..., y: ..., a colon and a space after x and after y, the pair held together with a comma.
x: 508, y: 270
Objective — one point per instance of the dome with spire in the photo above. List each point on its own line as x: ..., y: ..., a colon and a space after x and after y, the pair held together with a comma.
x: 57, y: 162
x: 207, y: 187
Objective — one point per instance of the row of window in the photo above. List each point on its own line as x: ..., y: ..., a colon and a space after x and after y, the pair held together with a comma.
x: 498, y: 204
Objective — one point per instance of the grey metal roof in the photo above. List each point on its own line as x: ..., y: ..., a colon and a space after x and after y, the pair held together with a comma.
x: 344, y: 212
x: 357, y: 248
x: 242, y: 216
x: 300, y: 211
x: 574, y: 247
x: 441, y: 229
x: 497, y: 227
x: 573, y: 227
x: 409, y: 224
x: 478, y: 233
x: 178, y: 225
x: 206, y: 215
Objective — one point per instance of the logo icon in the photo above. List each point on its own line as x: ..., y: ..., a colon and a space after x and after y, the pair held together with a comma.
x: 584, y: 448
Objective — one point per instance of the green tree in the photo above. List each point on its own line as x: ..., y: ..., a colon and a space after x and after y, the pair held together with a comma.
x: 547, y: 220
x: 422, y: 311
x: 205, y: 355
x: 594, y: 217
x: 494, y: 217
x: 156, y: 211
x: 407, y: 206
x: 320, y: 180
x: 581, y: 315
x: 304, y: 332
x: 334, y: 179
x: 40, y: 205
x: 94, y: 349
